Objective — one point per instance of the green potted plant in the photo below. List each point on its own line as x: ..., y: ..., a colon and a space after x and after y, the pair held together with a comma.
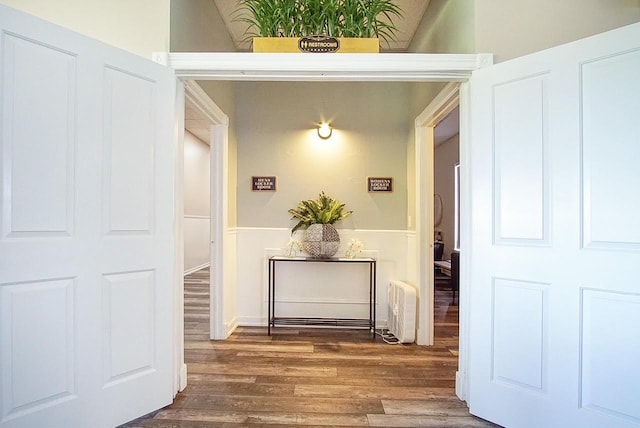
x: 292, y: 25
x: 316, y: 217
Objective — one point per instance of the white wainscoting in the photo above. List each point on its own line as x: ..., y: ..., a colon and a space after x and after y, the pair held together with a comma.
x: 196, y: 243
x: 315, y: 289
x: 412, y: 259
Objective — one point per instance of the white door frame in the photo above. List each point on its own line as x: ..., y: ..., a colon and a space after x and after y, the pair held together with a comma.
x: 219, y: 122
x: 425, y: 123
x: 454, y: 94
x: 358, y: 67
x: 218, y: 142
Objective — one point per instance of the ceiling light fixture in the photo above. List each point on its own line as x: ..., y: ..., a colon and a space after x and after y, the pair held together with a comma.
x: 324, y: 131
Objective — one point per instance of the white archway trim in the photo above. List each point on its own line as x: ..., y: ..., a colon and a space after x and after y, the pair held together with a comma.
x: 366, y: 67
x: 219, y: 225
x: 180, y: 368
x: 394, y: 67
x: 443, y: 104
x: 425, y: 123
x: 218, y: 142
x: 202, y: 101
x: 452, y: 95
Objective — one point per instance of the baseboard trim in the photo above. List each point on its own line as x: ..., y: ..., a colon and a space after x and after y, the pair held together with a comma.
x: 197, y: 268
x: 252, y: 322
x: 262, y: 322
x: 230, y: 327
x: 460, y: 386
x: 183, y: 377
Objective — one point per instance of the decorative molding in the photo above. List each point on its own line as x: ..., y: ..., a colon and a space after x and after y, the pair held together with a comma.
x: 201, y: 100
x: 443, y: 104
x: 197, y: 268
x: 466, y: 237
x: 231, y: 326
x: 344, y: 67
x: 197, y: 217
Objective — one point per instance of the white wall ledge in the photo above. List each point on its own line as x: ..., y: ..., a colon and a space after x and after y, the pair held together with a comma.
x: 399, y: 67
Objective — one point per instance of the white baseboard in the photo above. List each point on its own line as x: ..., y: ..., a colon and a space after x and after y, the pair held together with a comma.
x: 461, y: 391
x: 197, y: 268
x: 183, y: 377
x: 231, y: 326
x: 252, y: 322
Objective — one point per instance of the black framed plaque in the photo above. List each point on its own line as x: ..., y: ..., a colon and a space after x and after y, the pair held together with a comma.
x: 263, y: 183
x: 380, y: 184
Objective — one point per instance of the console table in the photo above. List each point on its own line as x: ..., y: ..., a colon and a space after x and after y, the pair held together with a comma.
x: 274, y: 320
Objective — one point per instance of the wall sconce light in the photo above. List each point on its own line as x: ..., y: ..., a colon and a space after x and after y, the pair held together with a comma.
x: 324, y: 131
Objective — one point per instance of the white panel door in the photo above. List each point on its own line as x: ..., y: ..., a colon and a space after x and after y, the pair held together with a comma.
x: 86, y: 229
x: 555, y: 245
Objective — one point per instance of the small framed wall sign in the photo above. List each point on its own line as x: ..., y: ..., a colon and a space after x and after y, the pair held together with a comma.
x: 263, y: 184
x: 380, y: 184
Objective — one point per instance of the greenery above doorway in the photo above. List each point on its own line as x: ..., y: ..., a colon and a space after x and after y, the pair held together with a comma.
x: 334, y: 18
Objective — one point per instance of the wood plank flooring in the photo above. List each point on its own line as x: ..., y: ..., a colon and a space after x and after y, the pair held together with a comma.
x: 313, y: 377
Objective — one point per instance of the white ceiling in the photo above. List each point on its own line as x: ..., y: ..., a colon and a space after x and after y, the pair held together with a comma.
x: 413, y: 10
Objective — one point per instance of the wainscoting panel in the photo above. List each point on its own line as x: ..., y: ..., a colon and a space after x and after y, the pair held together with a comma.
x: 44, y: 150
x: 128, y: 324
x: 38, y: 370
x: 323, y: 290
x: 129, y: 153
x: 520, y: 156
x: 610, y: 372
x: 519, y: 333
x: 610, y: 152
x: 311, y: 290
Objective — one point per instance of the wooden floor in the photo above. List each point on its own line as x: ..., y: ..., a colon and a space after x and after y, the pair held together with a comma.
x: 313, y: 377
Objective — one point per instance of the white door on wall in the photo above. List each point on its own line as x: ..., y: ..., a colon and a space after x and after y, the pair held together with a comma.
x: 86, y: 229
x: 555, y: 294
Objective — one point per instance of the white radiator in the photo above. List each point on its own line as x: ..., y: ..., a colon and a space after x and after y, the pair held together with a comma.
x: 402, y: 311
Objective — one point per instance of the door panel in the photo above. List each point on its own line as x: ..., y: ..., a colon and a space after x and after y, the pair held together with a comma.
x: 86, y: 244
x: 555, y: 255
x: 128, y: 151
x: 50, y: 161
x: 610, y: 150
x: 519, y: 152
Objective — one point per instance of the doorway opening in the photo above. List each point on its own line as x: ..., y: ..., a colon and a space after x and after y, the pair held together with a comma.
x: 446, y: 257
x: 363, y: 68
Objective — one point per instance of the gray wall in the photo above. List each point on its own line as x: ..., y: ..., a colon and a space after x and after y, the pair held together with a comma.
x: 512, y: 28
x: 446, y: 27
x: 277, y: 136
x: 196, y: 26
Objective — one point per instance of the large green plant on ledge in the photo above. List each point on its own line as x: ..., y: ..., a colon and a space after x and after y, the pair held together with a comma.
x: 335, y: 18
x: 324, y: 210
